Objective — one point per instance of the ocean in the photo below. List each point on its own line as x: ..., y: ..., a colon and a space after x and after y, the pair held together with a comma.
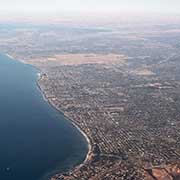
x: 35, y: 139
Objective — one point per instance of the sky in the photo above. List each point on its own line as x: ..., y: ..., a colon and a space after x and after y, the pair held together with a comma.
x: 34, y: 7
x: 89, y: 5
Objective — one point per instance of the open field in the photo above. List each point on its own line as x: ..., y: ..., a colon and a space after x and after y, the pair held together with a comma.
x: 78, y: 59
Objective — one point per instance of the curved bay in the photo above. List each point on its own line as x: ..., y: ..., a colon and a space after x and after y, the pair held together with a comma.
x: 34, y: 138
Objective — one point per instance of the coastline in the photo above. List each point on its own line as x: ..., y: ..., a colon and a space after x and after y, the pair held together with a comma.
x: 10, y: 56
x: 88, y: 155
x: 88, y: 141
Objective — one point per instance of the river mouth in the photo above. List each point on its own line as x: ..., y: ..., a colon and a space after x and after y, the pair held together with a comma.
x: 35, y: 139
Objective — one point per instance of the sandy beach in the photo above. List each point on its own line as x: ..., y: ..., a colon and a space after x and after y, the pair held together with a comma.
x: 10, y: 56
x: 39, y: 76
x: 88, y: 156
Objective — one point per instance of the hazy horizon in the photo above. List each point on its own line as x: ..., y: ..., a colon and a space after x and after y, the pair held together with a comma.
x: 65, y: 8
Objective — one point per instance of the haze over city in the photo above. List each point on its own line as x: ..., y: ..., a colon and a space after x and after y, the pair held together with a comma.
x: 89, y: 89
x: 33, y: 8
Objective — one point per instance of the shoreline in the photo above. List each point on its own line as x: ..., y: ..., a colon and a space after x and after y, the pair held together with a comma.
x: 87, y: 139
x: 10, y: 56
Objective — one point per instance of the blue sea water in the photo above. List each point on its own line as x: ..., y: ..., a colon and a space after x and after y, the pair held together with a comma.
x: 35, y: 139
